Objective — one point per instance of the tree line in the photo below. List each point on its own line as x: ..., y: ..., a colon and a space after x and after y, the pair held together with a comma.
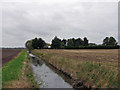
x: 72, y: 43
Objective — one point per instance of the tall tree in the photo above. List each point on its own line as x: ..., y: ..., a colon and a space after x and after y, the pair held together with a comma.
x: 106, y: 41
x: 78, y: 42
x: 73, y: 39
x: 38, y: 43
x: 112, y: 41
x: 85, y: 41
x: 35, y: 43
x: 109, y: 41
x: 41, y: 43
x: 56, y: 43
x: 64, y: 41
x: 70, y: 43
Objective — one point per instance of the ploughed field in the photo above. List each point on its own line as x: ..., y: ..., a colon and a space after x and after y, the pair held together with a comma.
x: 93, y: 67
x: 88, y: 55
x: 9, y: 54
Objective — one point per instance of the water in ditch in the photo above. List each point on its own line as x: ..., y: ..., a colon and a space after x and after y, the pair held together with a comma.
x: 45, y: 76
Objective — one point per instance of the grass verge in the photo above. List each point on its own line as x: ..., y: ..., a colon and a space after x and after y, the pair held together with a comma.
x: 91, y: 73
x: 17, y: 73
x: 29, y: 73
x: 12, y: 70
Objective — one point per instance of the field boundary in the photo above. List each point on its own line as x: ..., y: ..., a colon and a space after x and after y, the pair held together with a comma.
x: 12, y: 70
x: 12, y: 58
x: 21, y: 76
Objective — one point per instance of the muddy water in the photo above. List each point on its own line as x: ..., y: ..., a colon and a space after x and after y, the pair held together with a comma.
x: 45, y: 76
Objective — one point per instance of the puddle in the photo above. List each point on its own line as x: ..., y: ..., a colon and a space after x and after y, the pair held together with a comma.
x: 45, y: 76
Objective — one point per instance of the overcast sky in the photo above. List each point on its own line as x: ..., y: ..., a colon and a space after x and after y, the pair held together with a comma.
x: 25, y: 20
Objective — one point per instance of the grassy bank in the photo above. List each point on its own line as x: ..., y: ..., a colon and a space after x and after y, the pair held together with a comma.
x: 17, y: 73
x: 12, y: 70
x: 92, y: 73
x: 29, y: 74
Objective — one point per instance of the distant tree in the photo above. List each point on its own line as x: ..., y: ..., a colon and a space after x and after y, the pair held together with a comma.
x: 35, y: 43
x: 74, y: 40
x: 64, y: 41
x: 112, y: 41
x: 78, y: 43
x: 38, y: 43
x: 56, y: 43
x: 92, y: 44
x: 109, y: 41
x: 85, y: 41
x: 28, y: 45
x: 63, y: 44
x: 70, y: 43
x: 41, y: 43
x: 106, y: 41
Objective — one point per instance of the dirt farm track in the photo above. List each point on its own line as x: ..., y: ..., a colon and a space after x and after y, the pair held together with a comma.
x: 9, y: 54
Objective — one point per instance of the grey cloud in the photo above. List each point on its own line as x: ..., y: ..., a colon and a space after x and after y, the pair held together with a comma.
x: 23, y: 21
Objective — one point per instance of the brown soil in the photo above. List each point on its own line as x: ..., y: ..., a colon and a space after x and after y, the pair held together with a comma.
x: 9, y: 54
x: 110, y: 55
